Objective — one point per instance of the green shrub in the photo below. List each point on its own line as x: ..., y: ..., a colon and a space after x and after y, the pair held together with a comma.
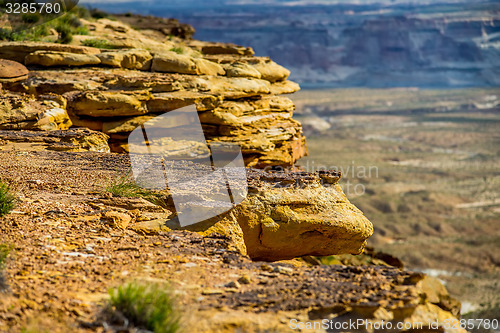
x: 4, y: 252
x: 178, y: 50
x: 66, y: 25
x: 7, y: 199
x: 83, y: 30
x: 81, y: 12
x: 99, y: 43
x: 148, y: 306
x: 30, y: 18
x: 33, y: 34
x: 72, y: 20
x: 124, y: 186
x: 65, y: 33
x: 6, y: 34
x: 98, y: 14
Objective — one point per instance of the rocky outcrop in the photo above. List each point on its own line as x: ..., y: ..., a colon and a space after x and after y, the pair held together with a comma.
x: 72, y: 140
x: 17, y: 51
x: 244, y: 295
x: 130, y: 59
x: 108, y: 94
x: 166, y: 26
x: 335, y: 297
x: 20, y: 112
x: 236, y: 94
x: 51, y: 58
x: 296, y: 214
x: 223, y: 290
x: 285, y: 215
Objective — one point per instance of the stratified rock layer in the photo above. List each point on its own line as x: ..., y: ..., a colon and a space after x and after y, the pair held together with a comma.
x: 81, y: 241
x: 145, y: 75
x: 289, y: 215
x: 23, y: 112
x: 73, y: 140
x: 285, y: 215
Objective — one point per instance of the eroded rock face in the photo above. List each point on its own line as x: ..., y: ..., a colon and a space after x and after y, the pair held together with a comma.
x: 17, y: 51
x: 143, y: 76
x: 22, y: 112
x: 73, y: 140
x: 291, y: 215
x: 288, y: 215
x: 52, y: 58
x: 241, y: 110
x: 108, y: 104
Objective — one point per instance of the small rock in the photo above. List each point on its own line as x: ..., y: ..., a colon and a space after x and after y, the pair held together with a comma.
x: 233, y: 285
x: 117, y: 219
x: 244, y: 279
x: 266, y: 268
x: 212, y: 292
x: 314, y: 125
x: 12, y: 71
x: 283, y: 270
x: 164, y: 261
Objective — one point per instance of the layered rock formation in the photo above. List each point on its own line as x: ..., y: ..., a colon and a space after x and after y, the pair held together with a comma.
x: 110, y: 92
x: 239, y: 100
x: 28, y: 113
x: 292, y: 215
x: 236, y: 94
x: 73, y: 243
x: 284, y: 216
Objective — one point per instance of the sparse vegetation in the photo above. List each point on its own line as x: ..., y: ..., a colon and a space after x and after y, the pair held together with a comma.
x: 98, y: 14
x: 488, y: 311
x: 36, y: 33
x: 149, y: 306
x: 178, y: 50
x: 65, y: 33
x: 99, y: 43
x: 4, y: 252
x: 82, y: 30
x: 66, y: 25
x: 7, y: 199
x: 31, y: 18
x: 124, y: 186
